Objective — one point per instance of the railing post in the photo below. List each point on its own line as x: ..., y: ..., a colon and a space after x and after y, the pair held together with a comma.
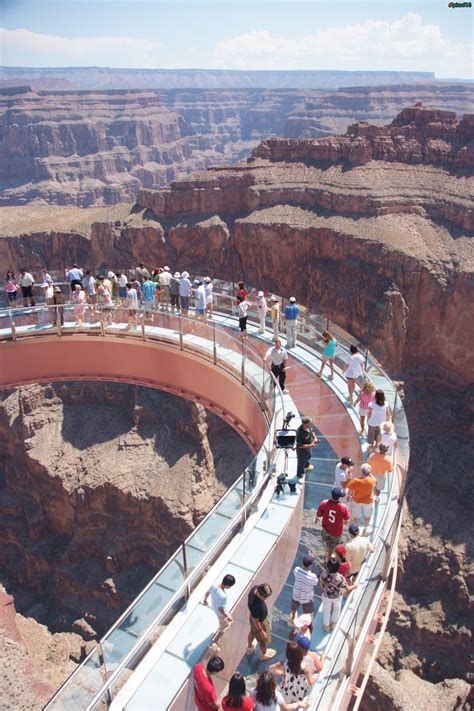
x: 185, y: 568
x: 262, y: 394
x: 180, y: 333
x: 366, y: 358
x: 59, y: 329
x: 242, y: 374
x: 12, y: 327
x: 101, y: 318
x: 327, y: 324
x: 143, y: 326
x: 214, y: 345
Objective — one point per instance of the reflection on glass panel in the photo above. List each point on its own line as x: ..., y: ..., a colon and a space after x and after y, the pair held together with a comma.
x: 78, y: 692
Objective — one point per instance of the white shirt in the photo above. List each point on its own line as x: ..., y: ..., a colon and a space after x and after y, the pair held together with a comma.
x: 262, y: 305
x: 243, y: 308
x: 305, y: 582
x: 388, y: 439
x: 277, y: 357
x: 218, y: 598
x: 378, y: 415
x: 165, y: 278
x: 273, y: 707
x: 26, y: 279
x: 340, y: 476
x: 122, y: 280
x: 200, y: 297
x: 132, y: 299
x: 208, y: 287
x: 355, y: 366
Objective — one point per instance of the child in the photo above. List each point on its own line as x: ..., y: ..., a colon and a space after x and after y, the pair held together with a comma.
x: 365, y: 397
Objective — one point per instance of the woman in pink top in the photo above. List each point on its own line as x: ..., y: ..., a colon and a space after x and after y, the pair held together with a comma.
x: 11, y: 287
x: 364, y: 399
x: 79, y: 300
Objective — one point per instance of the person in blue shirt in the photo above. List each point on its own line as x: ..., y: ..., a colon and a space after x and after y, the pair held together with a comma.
x: 148, y: 291
x: 329, y: 352
x: 291, y: 317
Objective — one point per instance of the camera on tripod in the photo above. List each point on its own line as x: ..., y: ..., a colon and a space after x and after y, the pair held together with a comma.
x: 285, y: 439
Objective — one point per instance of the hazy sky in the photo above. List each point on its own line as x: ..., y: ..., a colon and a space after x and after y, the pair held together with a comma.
x: 421, y: 35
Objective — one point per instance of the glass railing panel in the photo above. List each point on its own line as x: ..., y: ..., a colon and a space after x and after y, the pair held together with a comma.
x: 197, y: 335
x: 81, y: 689
x: 7, y: 316
x: 33, y: 320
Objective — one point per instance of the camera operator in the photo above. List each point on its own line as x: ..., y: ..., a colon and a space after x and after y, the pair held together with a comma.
x: 277, y: 357
x: 305, y: 441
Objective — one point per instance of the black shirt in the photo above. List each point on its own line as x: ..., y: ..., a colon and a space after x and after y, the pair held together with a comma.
x: 303, y: 436
x: 257, y: 606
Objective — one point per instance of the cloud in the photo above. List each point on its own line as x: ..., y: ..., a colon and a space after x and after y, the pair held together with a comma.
x: 24, y: 48
x: 403, y: 44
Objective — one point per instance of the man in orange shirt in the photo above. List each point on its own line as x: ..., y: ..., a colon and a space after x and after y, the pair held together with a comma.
x: 381, y: 465
x: 361, y: 491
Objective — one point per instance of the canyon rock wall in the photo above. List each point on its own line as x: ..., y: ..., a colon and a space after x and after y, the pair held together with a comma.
x: 94, y: 147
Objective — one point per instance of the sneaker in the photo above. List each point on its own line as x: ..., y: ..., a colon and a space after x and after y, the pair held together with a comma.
x: 285, y: 392
x: 327, y: 628
x: 309, y: 468
x: 270, y: 653
x: 333, y: 625
x: 251, y: 649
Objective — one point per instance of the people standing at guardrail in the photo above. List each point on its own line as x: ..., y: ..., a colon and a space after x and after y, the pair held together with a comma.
x: 262, y: 308
x: 296, y: 675
x: 381, y: 464
x: 106, y: 303
x: 306, y: 440
x: 89, y: 286
x: 291, y: 318
x: 148, y: 291
x: 388, y: 437
x: 79, y: 301
x: 353, y: 370
x: 46, y: 285
x: 333, y: 585
x: 132, y: 305
x: 74, y: 275
x: 314, y: 661
x: 260, y: 630
x: 219, y: 603
x: 379, y: 412
x: 199, y: 300
x: 329, y: 351
x: 243, y: 308
x: 343, y: 472
x: 364, y: 399
x: 275, y: 314
x: 58, y: 301
x: 141, y: 273
x: 184, y: 292
x: 334, y: 515
x: 165, y: 294
x: 268, y: 698
x: 205, y: 694
x: 11, y: 288
x: 241, y: 291
x: 208, y: 288
x: 27, y: 283
x: 361, y: 494
x: 236, y: 697
x: 122, y: 287
x: 277, y: 357
x: 174, y: 292
x: 357, y: 549
x: 303, y: 588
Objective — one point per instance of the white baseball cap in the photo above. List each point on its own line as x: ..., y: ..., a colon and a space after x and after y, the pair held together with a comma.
x: 166, y: 269
x: 260, y: 293
x: 207, y: 279
x: 292, y: 299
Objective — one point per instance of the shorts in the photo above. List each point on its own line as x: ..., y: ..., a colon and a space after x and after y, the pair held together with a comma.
x: 27, y: 291
x: 358, y: 510
x: 256, y: 633
x: 201, y: 311
x: 224, y: 624
x: 331, y: 540
x: 123, y: 292
x: 381, y: 481
x: 373, y: 433
x: 308, y: 607
x: 243, y: 323
x: 11, y: 296
x: 363, y: 411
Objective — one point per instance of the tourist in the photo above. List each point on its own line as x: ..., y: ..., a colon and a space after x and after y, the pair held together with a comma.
x: 122, y: 287
x: 208, y: 288
x: 275, y: 314
x: 277, y: 356
x: 11, y: 287
x: 329, y: 352
x: 353, y: 370
x: 164, y: 291
x: 379, y: 412
x: 74, y: 276
x: 199, y: 300
x: 27, y: 283
x: 242, y: 291
x: 174, y: 292
x: 141, y: 273
x: 388, y: 437
x: 343, y: 472
x: 47, y: 286
x: 149, y: 291
x: 306, y: 440
x: 205, y: 694
x: 357, y: 549
x: 89, y: 287
x: 334, y: 515
x: 291, y: 317
x: 296, y: 675
x: 108, y: 282
x: 260, y: 631
x: 79, y: 301
x: 132, y: 305
x: 313, y: 660
x: 262, y: 308
x: 58, y: 302
x: 333, y: 585
x: 303, y: 588
x: 361, y: 491
x: 344, y: 565
x: 106, y: 303
x: 184, y: 292
x: 137, y: 286
x: 364, y: 399
x: 268, y: 698
x: 243, y: 313
x: 236, y: 697
x: 219, y: 604
x: 381, y: 464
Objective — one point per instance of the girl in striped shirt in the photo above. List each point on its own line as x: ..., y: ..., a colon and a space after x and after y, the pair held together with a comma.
x: 364, y: 399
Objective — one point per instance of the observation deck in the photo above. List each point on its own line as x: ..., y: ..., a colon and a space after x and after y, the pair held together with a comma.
x: 145, y: 660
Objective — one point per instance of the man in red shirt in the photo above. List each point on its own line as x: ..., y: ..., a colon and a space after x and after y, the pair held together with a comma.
x: 334, y: 515
x: 205, y: 694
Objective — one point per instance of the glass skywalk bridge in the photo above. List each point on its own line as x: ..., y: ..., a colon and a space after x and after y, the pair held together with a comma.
x: 144, y: 661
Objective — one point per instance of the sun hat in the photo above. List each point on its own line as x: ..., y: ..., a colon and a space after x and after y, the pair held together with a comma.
x: 303, y: 620
x: 207, y: 279
x: 110, y: 275
x: 166, y: 269
x: 260, y: 293
x: 292, y: 299
x: 177, y: 275
x: 184, y: 275
x: 273, y: 298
